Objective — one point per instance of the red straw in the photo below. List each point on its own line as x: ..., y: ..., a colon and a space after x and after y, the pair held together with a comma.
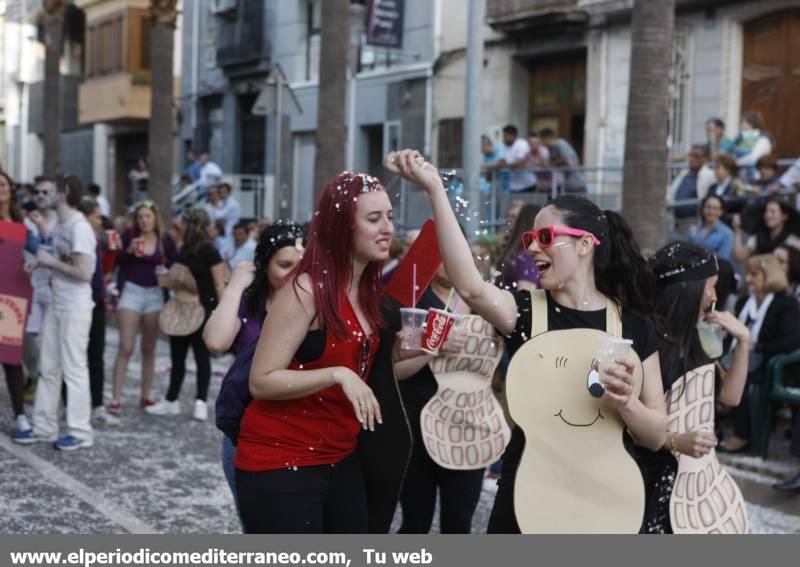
x: 414, y: 286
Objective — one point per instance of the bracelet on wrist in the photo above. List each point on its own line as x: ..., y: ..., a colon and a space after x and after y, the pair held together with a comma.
x: 672, y: 445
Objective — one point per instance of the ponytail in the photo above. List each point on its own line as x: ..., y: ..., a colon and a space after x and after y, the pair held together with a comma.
x: 620, y: 270
x: 625, y: 276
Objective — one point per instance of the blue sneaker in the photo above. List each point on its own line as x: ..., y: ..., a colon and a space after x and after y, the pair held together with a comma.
x: 27, y: 437
x: 70, y: 443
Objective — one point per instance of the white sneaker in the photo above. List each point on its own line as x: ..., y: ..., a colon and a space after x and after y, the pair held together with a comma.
x: 164, y: 407
x: 22, y: 423
x: 200, y: 412
x: 102, y: 415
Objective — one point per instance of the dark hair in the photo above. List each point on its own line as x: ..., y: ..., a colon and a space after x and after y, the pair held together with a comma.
x: 224, y: 185
x: 793, y: 267
x: 42, y: 179
x: 547, y: 133
x: 510, y: 129
x: 195, y: 236
x: 278, y: 235
x: 242, y: 225
x: 13, y: 210
x: 87, y: 206
x: 718, y: 122
x: 726, y: 284
x: 525, y: 218
x: 767, y: 161
x: 70, y: 185
x: 219, y: 224
x: 755, y: 119
x: 620, y: 271
x: 677, y: 306
x: 712, y: 196
x: 728, y: 163
x: 93, y: 189
x: 701, y: 148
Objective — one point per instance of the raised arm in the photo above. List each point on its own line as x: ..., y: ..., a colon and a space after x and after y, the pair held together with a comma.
x: 288, y: 322
x: 495, y: 305
x: 735, y: 379
x: 224, y: 323
x: 741, y: 252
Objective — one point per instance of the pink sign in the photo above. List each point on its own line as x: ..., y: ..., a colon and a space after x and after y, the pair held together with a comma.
x: 15, y: 292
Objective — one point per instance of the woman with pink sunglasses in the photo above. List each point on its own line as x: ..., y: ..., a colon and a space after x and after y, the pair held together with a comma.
x: 585, y: 257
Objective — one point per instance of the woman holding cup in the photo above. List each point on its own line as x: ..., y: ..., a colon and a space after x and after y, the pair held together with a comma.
x: 296, y: 466
x: 686, y: 277
x: 459, y: 489
x: 585, y: 257
x: 145, y: 247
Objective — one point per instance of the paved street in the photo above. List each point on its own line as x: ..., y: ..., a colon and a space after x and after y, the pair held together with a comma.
x: 162, y: 475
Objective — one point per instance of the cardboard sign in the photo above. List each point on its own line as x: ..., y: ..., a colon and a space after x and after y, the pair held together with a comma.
x: 425, y: 254
x: 15, y: 292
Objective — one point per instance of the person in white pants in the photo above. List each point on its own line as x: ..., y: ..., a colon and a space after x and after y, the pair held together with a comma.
x: 65, y: 331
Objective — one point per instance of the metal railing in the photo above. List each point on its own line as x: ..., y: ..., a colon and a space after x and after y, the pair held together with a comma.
x: 603, y: 185
x: 254, y: 194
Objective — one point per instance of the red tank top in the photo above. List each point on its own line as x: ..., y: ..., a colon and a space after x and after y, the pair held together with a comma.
x: 319, y: 429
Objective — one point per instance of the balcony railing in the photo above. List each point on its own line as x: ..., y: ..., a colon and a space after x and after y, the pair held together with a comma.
x: 499, y: 11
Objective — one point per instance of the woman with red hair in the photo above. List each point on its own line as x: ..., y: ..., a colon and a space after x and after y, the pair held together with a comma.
x: 296, y: 471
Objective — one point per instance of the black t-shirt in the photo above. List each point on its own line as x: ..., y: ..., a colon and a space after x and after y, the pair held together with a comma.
x: 559, y: 318
x: 200, y: 264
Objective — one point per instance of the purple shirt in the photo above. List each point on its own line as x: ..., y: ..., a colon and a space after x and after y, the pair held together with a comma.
x: 521, y: 268
x: 248, y: 332
x: 142, y: 270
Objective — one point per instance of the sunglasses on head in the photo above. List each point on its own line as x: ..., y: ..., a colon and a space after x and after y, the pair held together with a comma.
x: 145, y: 204
x: 546, y: 235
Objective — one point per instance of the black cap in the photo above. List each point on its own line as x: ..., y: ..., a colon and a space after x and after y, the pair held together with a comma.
x: 683, y: 261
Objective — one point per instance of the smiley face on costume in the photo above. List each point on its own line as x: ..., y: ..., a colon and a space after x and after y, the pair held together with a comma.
x: 575, y: 475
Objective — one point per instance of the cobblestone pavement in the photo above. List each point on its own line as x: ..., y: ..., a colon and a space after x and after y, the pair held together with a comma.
x: 163, y: 474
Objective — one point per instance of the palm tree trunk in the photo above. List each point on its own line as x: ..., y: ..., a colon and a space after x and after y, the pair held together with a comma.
x: 160, y: 132
x: 645, y: 172
x: 53, y: 40
x: 331, y: 135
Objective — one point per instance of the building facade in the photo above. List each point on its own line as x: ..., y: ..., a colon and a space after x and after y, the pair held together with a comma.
x: 23, y: 92
x: 729, y: 57
x: 234, y: 50
x: 114, y: 94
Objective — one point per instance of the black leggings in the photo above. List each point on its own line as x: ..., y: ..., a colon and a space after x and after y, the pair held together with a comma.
x: 321, y: 499
x: 95, y: 352
x: 503, y: 519
x: 16, y: 387
x: 459, y: 494
x: 178, y: 349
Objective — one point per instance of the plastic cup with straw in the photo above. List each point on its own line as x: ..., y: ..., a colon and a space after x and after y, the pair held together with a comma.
x: 412, y: 319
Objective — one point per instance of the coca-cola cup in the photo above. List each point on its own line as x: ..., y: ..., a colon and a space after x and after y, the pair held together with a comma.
x: 113, y: 241
x: 413, y: 321
x: 138, y: 246
x: 437, y: 329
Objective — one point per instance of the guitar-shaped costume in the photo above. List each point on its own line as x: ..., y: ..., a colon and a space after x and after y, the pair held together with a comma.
x: 705, y: 499
x: 463, y: 426
x: 575, y: 475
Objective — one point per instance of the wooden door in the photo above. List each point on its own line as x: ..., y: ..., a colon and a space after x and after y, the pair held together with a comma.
x: 771, y: 77
x: 557, y: 97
